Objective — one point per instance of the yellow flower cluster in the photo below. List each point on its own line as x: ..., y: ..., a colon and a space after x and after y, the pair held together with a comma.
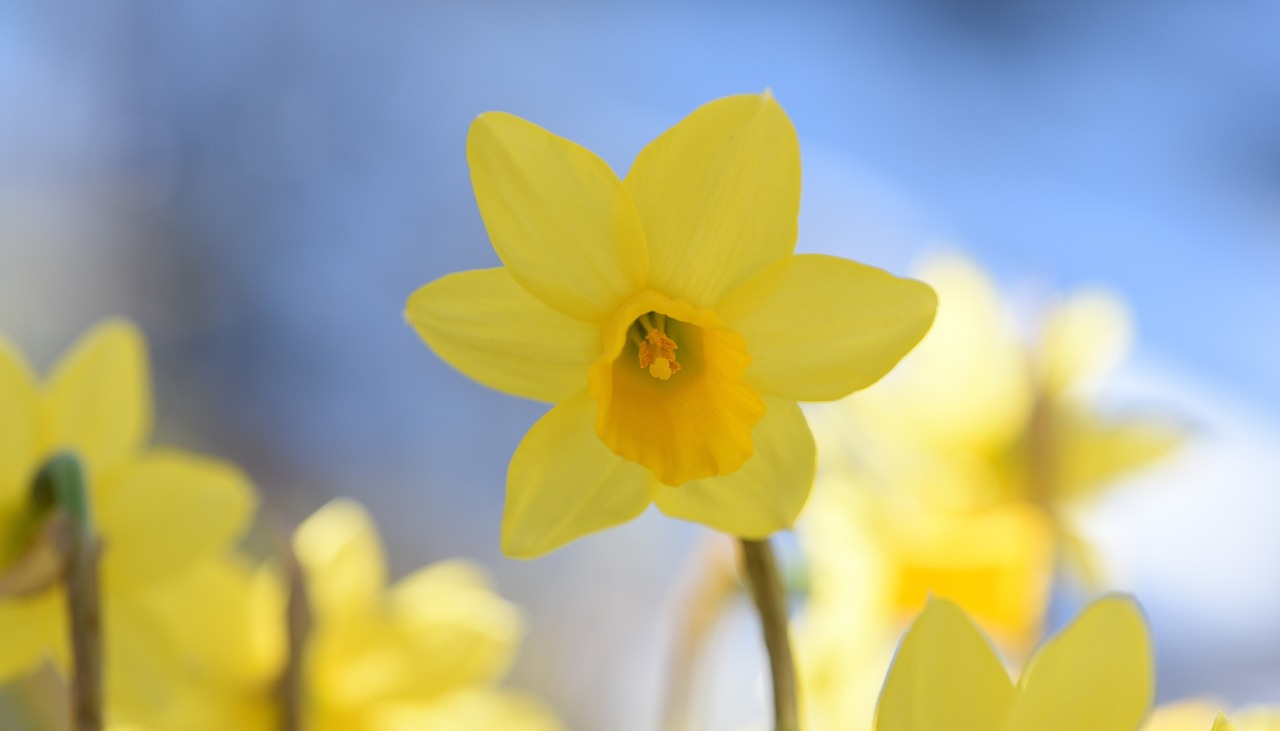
x: 194, y: 630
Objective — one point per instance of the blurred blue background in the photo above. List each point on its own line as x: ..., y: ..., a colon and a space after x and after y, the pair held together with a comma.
x: 262, y: 183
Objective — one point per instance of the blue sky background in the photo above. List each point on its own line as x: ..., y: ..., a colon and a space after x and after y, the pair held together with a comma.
x: 261, y: 184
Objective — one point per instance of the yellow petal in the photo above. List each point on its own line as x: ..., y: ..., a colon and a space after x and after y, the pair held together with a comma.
x: 1085, y: 338
x: 820, y: 327
x: 945, y: 676
x: 339, y: 548
x: 558, y: 216
x: 33, y: 630
x: 478, y: 709
x: 1221, y: 723
x: 100, y: 397
x: 1256, y: 718
x: 695, y: 424
x: 1098, y: 674
x: 489, y: 327
x: 718, y: 196
x: 768, y: 492
x: 1101, y: 451
x: 168, y: 511
x: 564, y: 483
x: 459, y: 632
x: 19, y: 427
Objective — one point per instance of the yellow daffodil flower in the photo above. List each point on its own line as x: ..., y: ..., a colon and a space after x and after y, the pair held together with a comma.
x: 666, y: 317
x: 1097, y: 675
x: 159, y: 512
x: 978, y: 417
x: 426, y: 653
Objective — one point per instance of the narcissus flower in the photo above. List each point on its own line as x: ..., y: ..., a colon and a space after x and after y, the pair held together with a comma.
x: 1097, y: 675
x: 425, y: 653
x: 978, y: 417
x: 667, y: 317
x: 158, y: 512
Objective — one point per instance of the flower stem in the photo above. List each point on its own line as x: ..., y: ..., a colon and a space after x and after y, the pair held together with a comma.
x: 60, y: 485
x: 771, y: 602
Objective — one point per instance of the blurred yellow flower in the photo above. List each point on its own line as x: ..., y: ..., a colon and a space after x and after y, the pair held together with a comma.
x: 668, y: 319
x: 1097, y: 675
x: 976, y: 417
x: 873, y: 563
x: 159, y: 512
x: 425, y: 653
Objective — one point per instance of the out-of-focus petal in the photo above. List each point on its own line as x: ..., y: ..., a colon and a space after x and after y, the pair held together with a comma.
x: 1084, y: 339
x: 1098, y: 674
x: 558, y: 216
x: 820, y: 327
x: 459, y: 632
x: 768, y: 492
x: 719, y: 197
x: 478, y: 709
x: 168, y: 511
x: 33, y: 629
x: 945, y: 676
x: 486, y: 325
x: 19, y: 430
x: 563, y: 483
x: 341, y: 554
x: 100, y: 397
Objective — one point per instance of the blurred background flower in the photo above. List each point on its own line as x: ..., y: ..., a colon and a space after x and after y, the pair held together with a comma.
x: 262, y: 182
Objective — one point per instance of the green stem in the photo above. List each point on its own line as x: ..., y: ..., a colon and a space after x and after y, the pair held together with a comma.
x: 771, y: 602
x: 60, y: 485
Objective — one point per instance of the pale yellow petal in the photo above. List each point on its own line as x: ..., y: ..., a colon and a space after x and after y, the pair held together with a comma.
x: 967, y: 385
x: 168, y: 511
x: 459, y: 632
x: 100, y: 397
x: 558, y: 217
x: 486, y: 325
x: 34, y: 630
x: 768, y: 492
x: 19, y: 427
x: 1096, y: 451
x: 1098, y: 674
x: 478, y: 709
x: 1257, y: 718
x: 339, y: 549
x: 1085, y: 338
x: 1221, y: 723
x: 564, y: 483
x: 1186, y: 715
x: 945, y: 676
x: 820, y: 327
x: 719, y: 197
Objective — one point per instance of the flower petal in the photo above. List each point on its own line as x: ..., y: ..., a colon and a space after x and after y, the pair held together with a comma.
x: 945, y: 676
x: 1222, y: 723
x: 558, y: 216
x: 564, y: 483
x: 339, y: 547
x: 100, y: 397
x: 486, y: 325
x: 768, y: 492
x: 820, y: 327
x: 718, y: 196
x: 1085, y: 338
x: 19, y: 434
x: 33, y: 630
x: 169, y: 510
x: 456, y: 629
x: 1097, y: 674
